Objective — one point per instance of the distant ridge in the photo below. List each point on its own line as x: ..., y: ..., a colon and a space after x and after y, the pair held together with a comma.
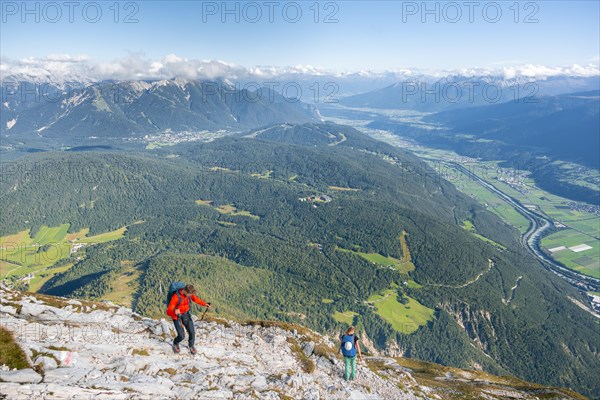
x: 128, y: 109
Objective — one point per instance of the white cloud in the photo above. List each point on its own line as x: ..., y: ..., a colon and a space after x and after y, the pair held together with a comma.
x: 542, y: 71
x: 64, y: 67
x: 67, y: 58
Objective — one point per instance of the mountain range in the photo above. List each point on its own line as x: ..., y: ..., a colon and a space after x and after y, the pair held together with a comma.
x: 462, y: 91
x: 565, y: 126
x: 108, y: 111
x: 45, y: 114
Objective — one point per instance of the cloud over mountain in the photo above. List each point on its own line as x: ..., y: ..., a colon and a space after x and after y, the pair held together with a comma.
x: 66, y: 67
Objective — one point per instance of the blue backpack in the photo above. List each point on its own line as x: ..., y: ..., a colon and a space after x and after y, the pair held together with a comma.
x: 174, y: 289
x: 348, y: 347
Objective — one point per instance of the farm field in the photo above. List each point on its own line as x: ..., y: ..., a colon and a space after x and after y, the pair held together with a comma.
x: 38, y: 279
x: 581, y: 227
x: 46, y: 235
x: 553, y: 206
x: 78, y: 235
x: 438, y: 160
x: 32, y: 257
x: 22, y: 254
x: 587, y: 261
x: 104, y: 237
x: 488, y: 199
x: 529, y: 194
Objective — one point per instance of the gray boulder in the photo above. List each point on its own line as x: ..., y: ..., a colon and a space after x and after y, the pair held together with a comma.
x: 47, y: 363
x: 21, y: 376
x: 308, y: 349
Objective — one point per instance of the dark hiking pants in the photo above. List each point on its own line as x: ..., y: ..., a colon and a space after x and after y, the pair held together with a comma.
x: 185, y: 320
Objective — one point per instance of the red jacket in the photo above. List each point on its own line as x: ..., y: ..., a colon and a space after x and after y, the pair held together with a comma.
x: 184, y: 306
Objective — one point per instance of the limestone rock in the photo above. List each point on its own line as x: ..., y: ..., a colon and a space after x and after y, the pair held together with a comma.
x: 308, y: 348
x: 46, y: 363
x: 21, y: 376
x: 91, y: 352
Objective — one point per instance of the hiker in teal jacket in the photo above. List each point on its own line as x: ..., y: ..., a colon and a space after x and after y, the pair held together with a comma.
x: 350, y: 349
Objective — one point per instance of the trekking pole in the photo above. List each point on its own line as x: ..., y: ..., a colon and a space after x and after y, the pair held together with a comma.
x: 204, y: 313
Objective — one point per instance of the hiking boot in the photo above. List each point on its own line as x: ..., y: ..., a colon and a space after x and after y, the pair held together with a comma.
x: 176, y: 348
x: 193, y: 350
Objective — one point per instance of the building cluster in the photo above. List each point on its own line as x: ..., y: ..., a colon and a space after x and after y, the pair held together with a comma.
x: 76, y: 246
x: 169, y: 138
x: 595, y: 302
x: 583, y: 207
x: 385, y: 157
x: 323, y: 198
x: 515, y: 181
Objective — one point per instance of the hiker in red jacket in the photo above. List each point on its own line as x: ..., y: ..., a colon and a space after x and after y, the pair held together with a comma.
x: 179, y: 310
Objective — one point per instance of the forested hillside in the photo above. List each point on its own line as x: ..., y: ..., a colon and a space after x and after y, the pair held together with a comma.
x: 334, y: 232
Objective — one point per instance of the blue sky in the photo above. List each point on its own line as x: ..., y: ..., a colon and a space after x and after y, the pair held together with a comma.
x: 367, y: 35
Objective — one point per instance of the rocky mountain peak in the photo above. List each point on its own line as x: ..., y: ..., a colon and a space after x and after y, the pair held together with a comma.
x: 81, y: 349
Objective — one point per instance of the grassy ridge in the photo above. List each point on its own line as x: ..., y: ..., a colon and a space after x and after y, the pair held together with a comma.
x: 468, y: 225
x: 105, y: 237
x: 124, y: 286
x: 346, y: 317
x: 406, y: 316
x: 404, y: 265
x: 229, y: 209
x: 375, y: 258
x: 11, y: 353
x: 248, y: 296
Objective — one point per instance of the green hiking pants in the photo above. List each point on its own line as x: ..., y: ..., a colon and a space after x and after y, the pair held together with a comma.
x: 350, y: 365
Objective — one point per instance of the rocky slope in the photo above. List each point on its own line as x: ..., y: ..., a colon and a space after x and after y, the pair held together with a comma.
x: 85, y: 350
